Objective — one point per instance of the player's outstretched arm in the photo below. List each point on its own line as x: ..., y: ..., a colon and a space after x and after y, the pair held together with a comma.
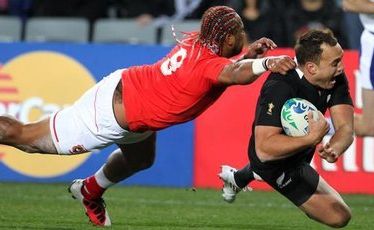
x: 359, y: 6
x: 248, y: 70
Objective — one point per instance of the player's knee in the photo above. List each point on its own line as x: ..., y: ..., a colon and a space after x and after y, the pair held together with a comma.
x: 146, y: 159
x: 341, y: 222
x: 28, y: 149
x: 140, y: 161
x: 146, y: 163
x: 341, y: 218
x: 10, y: 129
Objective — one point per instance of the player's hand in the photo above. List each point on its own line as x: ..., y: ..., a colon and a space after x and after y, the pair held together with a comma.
x: 280, y: 64
x: 318, y: 128
x: 259, y: 48
x: 328, y: 153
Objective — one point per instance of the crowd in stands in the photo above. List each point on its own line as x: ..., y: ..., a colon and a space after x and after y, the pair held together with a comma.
x: 281, y: 20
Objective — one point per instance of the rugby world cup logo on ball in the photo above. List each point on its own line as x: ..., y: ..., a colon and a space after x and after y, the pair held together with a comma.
x: 294, y: 116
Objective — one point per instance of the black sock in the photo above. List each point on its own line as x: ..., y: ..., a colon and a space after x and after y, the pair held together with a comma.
x: 244, y: 176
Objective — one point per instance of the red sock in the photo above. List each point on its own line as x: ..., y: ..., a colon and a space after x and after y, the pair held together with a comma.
x: 91, y: 190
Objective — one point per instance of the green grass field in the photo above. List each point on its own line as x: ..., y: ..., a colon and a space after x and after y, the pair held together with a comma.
x: 49, y: 206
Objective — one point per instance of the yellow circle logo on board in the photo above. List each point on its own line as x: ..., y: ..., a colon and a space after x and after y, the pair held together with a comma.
x: 35, y: 85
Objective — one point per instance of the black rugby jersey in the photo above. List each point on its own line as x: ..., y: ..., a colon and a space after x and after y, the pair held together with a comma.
x: 276, y: 90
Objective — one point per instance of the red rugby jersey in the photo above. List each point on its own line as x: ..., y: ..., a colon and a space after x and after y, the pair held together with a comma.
x: 176, y: 89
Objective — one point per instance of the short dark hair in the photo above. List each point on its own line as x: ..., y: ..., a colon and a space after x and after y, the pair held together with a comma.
x: 308, y: 46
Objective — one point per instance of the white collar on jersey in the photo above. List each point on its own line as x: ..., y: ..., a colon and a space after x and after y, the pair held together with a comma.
x: 298, y: 71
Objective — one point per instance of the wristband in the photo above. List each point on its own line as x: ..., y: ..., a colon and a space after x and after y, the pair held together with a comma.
x: 259, y: 66
x: 265, y: 63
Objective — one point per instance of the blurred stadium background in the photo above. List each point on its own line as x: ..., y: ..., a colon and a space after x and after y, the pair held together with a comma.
x: 52, y: 51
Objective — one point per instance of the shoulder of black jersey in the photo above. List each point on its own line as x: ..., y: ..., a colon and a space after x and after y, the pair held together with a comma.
x: 290, y: 77
x: 280, y: 82
x: 341, y: 78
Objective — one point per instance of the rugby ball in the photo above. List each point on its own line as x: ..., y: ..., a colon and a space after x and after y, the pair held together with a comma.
x: 294, y: 116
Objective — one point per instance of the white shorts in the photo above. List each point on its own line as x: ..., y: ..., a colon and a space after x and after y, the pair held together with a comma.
x: 89, y: 124
x: 367, y: 60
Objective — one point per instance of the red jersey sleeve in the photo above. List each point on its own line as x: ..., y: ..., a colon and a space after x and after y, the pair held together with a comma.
x: 212, y: 68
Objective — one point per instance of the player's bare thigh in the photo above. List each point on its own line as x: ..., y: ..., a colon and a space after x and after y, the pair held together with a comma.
x: 327, y: 206
x: 32, y: 137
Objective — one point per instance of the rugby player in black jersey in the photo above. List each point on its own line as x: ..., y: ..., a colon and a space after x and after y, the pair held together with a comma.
x: 283, y: 161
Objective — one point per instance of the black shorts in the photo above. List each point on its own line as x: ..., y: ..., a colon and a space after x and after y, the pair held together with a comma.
x: 297, y: 182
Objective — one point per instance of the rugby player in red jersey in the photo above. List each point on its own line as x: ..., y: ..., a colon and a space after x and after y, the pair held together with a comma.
x: 129, y: 105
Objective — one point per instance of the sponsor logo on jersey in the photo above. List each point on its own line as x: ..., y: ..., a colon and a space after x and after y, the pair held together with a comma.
x: 270, y: 108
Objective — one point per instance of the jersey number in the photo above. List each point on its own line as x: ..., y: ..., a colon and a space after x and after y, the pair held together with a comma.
x: 171, y: 64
